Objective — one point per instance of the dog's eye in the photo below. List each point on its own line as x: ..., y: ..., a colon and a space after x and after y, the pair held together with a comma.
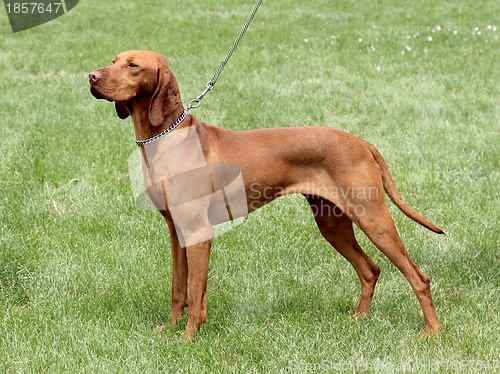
x: 132, y: 65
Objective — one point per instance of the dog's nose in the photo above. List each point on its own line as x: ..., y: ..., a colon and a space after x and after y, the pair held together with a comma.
x: 94, y: 76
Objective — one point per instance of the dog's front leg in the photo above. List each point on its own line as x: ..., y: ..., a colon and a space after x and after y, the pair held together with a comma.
x: 198, y: 256
x: 179, y: 275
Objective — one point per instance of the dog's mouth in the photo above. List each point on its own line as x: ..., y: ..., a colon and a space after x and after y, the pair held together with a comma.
x: 95, y: 92
x: 100, y: 92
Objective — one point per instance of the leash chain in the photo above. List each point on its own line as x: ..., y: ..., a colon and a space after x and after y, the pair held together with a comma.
x: 211, y: 83
x: 168, y: 130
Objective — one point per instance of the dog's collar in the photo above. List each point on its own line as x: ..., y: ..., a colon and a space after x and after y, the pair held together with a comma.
x: 167, y: 131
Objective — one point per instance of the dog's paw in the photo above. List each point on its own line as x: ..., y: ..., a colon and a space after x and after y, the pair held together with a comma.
x: 160, y: 330
x: 358, y: 315
x: 432, y: 334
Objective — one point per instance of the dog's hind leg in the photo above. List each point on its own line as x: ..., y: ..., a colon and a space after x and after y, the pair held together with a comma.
x: 376, y: 222
x: 337, y: 229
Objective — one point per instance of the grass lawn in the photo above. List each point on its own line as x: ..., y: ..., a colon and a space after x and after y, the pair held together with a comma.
x: 85, y: 275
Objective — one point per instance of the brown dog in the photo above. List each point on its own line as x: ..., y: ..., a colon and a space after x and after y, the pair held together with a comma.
x: 342, y: 177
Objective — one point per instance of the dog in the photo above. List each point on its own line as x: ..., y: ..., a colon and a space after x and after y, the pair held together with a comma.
x: 194, y: 173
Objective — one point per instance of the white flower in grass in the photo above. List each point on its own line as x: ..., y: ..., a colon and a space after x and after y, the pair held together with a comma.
x: 360, y: 40
x: 455, y: 32
x: 429, y: 38
x: 408, y: 48
x: 494, y: 28
x: 306, y: 40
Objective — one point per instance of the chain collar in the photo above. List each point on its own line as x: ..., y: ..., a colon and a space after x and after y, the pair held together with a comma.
x: 167, y: 131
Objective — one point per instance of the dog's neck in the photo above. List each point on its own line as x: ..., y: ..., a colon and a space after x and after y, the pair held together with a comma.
x: 139, y: 111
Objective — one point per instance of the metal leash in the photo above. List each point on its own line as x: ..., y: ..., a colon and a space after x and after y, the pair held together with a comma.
x: 211, y: 83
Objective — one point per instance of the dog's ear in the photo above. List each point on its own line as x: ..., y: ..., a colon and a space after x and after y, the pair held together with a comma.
x: 166, y: 97
x: 121, y: 109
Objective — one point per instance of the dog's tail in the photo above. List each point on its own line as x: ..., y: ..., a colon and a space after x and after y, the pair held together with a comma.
x: 392, y: 192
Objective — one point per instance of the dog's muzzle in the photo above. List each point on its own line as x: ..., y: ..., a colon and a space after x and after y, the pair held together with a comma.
x: 94, y: 79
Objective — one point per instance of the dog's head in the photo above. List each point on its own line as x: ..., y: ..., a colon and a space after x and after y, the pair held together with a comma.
x: 134, y: 75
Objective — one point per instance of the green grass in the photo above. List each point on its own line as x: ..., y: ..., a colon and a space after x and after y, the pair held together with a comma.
x: 85, y: 275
